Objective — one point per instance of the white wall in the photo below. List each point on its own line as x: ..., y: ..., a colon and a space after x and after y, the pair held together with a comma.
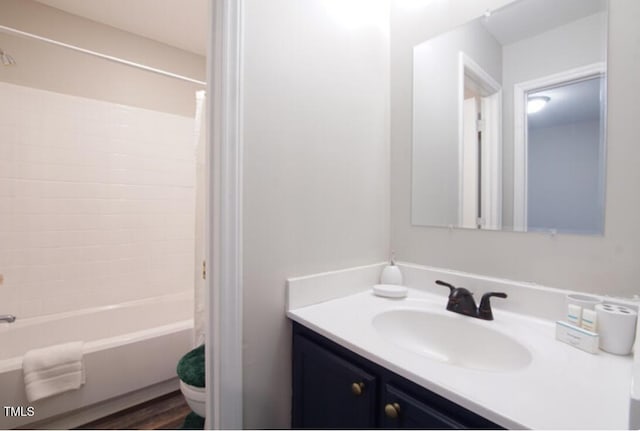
x: 435, y: 185
x: 316, y: 168
x: 96, y: 202
x: 607, y: 264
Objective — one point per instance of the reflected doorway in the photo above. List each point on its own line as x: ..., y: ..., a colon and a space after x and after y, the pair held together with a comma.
x: 560, y: 153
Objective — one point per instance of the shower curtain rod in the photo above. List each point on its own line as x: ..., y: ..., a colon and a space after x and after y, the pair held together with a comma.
x: 11, y: 30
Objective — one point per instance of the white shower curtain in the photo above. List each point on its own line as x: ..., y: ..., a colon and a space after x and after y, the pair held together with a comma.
x: 200, y: 219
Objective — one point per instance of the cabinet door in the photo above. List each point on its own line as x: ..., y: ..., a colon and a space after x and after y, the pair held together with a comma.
x: 401, y: 410
x: 328, y: 391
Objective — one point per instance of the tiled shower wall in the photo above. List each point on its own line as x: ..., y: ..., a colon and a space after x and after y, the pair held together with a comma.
x: 96, y: 202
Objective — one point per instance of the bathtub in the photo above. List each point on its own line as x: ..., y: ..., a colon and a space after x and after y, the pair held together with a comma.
x: 130, y: 353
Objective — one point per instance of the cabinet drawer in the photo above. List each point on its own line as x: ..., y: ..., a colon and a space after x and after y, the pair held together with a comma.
x: 425, y: 409
x: 401, y: 410
x: 330, y: 392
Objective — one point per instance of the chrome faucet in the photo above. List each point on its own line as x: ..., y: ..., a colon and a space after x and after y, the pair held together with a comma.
x: 9, y: 318
x: 461, y: 301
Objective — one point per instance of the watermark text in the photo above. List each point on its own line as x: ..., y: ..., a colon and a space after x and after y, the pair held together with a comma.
x: 19, y: 411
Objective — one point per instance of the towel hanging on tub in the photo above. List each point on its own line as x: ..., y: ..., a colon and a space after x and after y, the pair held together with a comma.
x: 53, y: 370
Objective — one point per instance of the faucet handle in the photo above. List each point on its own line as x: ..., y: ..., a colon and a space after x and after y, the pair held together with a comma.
x: 484, y: 310
x: 453, y: 291
x: 450, y: 286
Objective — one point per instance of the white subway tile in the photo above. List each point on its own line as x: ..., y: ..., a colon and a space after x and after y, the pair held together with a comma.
x: 28, y: 189
x: 6, y: 208
x: 7, y: 169
x: 96, y: 202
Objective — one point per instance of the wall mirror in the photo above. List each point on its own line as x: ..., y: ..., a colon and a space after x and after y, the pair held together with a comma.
x: 509, y: 118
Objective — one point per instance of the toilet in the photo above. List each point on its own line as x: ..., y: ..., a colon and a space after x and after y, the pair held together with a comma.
x: 195, y: 397
x: 190, y: 370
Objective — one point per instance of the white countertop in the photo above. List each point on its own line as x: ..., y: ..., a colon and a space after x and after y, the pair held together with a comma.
x: 562, y: 387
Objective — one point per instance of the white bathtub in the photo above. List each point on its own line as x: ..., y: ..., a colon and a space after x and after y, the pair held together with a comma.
x: 128, y: 347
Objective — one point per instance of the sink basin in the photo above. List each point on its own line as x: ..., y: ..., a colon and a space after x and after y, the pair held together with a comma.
x: 452, y: 338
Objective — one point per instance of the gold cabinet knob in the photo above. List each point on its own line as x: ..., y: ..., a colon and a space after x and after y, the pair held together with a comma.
x: 392, y: 410
x: 357, y: 388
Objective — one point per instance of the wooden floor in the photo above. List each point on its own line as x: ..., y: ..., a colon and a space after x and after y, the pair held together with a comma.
x: 166, y: 412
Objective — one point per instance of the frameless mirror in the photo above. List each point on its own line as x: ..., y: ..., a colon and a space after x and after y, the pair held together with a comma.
x: 509, y: 120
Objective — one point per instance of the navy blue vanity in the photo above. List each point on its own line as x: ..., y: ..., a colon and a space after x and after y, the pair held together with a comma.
x: 336, y: 388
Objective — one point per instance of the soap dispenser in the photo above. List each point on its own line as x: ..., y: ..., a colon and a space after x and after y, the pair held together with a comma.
x: 391, y: 273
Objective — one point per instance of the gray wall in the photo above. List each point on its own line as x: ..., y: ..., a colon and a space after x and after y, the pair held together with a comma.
x: 53, y: 68
x: 316, y: 168
x: 435, y: 178
x: 563, y: 189
x: 542, y: 55
x: 607, y: 264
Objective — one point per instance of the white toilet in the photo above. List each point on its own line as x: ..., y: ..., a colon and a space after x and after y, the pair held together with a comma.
x: 190, y: 371
x: 196, y: 398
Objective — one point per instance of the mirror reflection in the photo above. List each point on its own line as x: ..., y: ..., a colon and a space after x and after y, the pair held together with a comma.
x: 509, y: 120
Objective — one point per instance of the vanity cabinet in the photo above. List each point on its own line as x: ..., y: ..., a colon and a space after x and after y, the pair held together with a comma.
x: 336, y: 388
x: 331, y: 392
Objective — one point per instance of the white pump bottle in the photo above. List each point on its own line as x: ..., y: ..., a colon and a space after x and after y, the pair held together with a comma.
x: 391, y: 274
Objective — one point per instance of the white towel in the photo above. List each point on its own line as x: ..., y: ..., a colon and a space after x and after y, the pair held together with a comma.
x: 53, y: 370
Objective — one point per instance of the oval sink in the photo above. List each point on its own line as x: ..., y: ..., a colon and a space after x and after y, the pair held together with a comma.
x: 453, y: 339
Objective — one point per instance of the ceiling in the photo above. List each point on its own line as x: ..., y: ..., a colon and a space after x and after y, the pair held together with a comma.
x: 179, y: 23
x: 569, y: 103
x: 525, y: 18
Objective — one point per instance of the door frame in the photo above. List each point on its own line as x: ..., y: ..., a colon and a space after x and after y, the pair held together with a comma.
x: 520, y: 125
x: 491, y: 157
x: 223, y: 358
x: 493, y: 196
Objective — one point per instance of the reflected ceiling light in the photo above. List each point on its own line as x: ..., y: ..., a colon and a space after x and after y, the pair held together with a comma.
x: 6, y: 59
x: 536, y: 104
